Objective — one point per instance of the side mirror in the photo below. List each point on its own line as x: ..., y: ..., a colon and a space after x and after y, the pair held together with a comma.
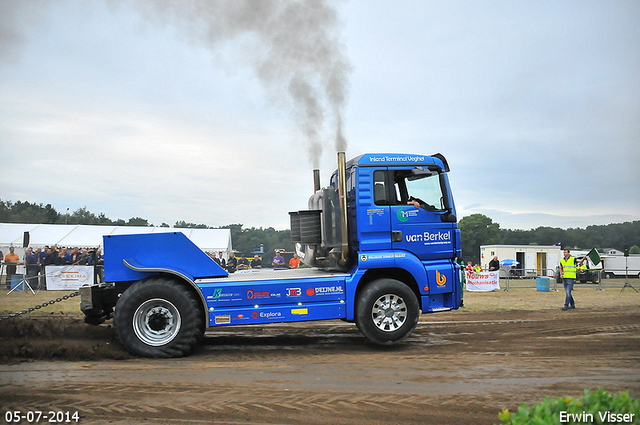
x: 421, y: 172
x: 448, y: 217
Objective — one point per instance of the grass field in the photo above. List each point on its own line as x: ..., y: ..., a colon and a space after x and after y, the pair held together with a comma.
x: 586, y: 296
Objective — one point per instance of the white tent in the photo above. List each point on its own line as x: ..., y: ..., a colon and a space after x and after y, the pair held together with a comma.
x: 61, y: 235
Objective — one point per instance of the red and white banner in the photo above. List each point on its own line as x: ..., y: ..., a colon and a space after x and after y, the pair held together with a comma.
x: 483, y: 281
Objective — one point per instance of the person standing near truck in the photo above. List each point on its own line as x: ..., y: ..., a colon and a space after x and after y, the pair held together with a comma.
x: 32, y: 266
x: 243, y: 263
x: 232, y: 262
x: 568, y: 270
x: 494, y: 265
x: 278, y: 261
x: 220, y: 260
x: 11, y: 260
x: 294, y: 263
x: 256, y: 263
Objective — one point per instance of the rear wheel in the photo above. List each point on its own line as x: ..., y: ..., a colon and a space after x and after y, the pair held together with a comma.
x: 158, y: 317
x: 387, y: 311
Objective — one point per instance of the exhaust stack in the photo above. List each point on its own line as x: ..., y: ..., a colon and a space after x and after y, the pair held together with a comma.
x: 321, y: 232
x: 316, y: 180
x: 342, y: 187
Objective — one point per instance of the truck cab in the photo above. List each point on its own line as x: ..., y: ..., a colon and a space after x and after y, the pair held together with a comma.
x: 401, y: 223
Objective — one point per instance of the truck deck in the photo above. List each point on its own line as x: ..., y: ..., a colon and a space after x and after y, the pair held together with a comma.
x: 269, y: 295
x: 272, y: 274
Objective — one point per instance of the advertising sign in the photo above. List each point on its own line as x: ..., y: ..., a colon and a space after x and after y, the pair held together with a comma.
x: 66, y: 278
x: 483, y: 281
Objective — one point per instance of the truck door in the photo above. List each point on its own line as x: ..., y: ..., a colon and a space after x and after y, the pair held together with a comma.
x: 421, y: 220
x: 374, y: 224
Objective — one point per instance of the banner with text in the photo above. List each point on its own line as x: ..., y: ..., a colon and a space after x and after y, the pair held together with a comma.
x: 483, y: 281
x: 65, y: 278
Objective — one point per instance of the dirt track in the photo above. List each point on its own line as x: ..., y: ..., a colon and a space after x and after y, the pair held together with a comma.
x: 456, y: 368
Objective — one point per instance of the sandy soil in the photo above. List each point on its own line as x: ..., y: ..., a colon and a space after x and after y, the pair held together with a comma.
x: 456, y: 368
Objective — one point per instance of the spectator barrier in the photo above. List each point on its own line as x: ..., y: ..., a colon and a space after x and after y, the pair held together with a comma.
x: 528, y: 278
x: 38, y: 282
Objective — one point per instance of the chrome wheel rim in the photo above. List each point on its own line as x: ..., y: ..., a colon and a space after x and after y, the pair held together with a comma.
x: 389, y: 312
x: 156, y: 322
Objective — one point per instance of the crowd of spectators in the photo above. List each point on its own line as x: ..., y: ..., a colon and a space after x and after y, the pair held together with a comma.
x: 233, y: 263
x: 35, y: 262
x: 494, y: 265
x: 473, y: 267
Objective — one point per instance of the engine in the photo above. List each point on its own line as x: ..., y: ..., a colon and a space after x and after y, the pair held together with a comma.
x: 321, y: 232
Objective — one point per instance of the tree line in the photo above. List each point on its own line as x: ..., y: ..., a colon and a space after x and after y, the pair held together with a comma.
x: 478, y: 229
x: 475, y: 229
x: 245, y: 240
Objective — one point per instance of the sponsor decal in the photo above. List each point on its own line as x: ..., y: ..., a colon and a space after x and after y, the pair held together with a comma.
x: 396, y: 158
x: 239, y: 317
x: 300, y: 311
x: 270, y: 314
x: 386, y: 256
x: 266, y: 314
x: 262, y: 294
x: 440, y: 278
x: 218, y: 295
x: 310, y: 292
x: 379, y: 212
x: 430, y: 238
x: 363, y: 257
x: 293, y: 292
x: 329, y: 290
x: 404, y: 215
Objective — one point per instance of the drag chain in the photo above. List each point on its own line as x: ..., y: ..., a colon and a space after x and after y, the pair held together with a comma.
x: 34, y: 308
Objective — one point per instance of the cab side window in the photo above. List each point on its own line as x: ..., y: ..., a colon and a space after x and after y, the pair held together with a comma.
x: 402, y: 186
x: 380, y: 192
x: 423, y: 186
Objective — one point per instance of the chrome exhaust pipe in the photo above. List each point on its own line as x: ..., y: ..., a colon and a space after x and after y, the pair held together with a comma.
x: 316, y: 180
x: 342, y: 187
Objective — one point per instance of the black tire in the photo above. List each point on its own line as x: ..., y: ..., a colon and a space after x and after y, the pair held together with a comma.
x: 158, y: 317
x: 387, y: 311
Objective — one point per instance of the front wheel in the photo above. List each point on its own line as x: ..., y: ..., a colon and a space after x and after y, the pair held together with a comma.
x: 387, y: 311
x: 158, y: 317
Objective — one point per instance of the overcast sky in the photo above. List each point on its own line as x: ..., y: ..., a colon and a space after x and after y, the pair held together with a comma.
x: 167, y: 112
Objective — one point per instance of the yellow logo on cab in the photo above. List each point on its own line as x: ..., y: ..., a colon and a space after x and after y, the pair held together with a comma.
x: 440, y: 278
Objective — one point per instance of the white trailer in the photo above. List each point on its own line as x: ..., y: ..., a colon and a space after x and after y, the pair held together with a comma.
x: 619, y: 265
x: 533, y: 260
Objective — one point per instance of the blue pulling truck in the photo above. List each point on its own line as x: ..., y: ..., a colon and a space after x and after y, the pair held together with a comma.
x: 381, y: 242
